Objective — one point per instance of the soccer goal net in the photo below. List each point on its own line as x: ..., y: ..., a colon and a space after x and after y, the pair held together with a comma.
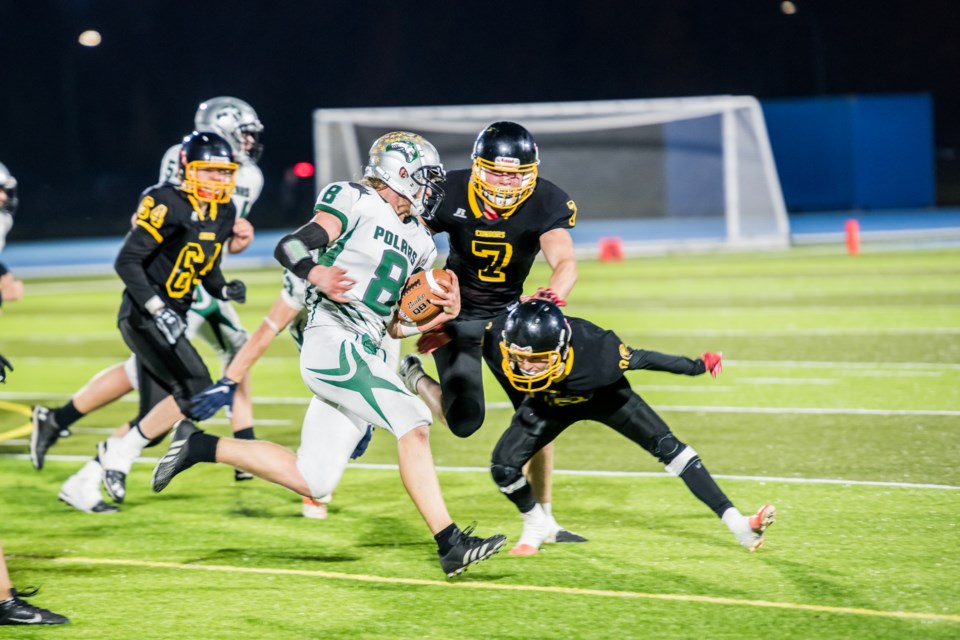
x: 656, y: 173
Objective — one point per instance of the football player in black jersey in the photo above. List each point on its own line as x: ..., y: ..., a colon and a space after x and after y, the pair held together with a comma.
x: 175, y: 243
x: 570, y: 370
x: 499, y: 215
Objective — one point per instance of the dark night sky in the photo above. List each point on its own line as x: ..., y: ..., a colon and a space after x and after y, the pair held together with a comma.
x: 84, y: 129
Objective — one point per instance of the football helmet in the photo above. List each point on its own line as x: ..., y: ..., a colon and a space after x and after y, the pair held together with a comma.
x: 409, y: 165
x: 205, y: 150
x: 9, y: 184
x: 235, y: 121
x: 535, y: 333
x: 504, y: 148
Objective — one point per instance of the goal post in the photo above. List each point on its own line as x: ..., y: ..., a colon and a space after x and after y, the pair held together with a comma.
x: 658, y: 173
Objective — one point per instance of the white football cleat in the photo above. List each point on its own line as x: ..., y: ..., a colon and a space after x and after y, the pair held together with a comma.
x: 84, y: 494
x: 316, y: 509
x: 536, y: 528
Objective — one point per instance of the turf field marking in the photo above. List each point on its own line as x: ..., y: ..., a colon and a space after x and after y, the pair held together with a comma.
x: 304, y: 400
x: 589, y: 473
x: 22, y: 409
x: 493, y: 586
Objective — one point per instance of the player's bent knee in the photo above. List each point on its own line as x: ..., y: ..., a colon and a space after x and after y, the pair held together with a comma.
x: 675, y: 455
x: 463, y: 421
x: 508, y: 478
x: 319, y: 480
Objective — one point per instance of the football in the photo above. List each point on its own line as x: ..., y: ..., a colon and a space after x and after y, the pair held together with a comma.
x: 415, y: 305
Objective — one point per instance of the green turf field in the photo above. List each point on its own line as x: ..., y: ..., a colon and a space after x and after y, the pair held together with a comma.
x: 839, y: 402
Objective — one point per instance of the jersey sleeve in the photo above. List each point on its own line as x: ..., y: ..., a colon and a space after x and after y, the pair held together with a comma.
x: 339, y: 200
x: 561, y: 209
x: 294, y: 291
x: 152, y: 226
x: 6, y: 223
x: 170, y: 165
x: 248, y: 188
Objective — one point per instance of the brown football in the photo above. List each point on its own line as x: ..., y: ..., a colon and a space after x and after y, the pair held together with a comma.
x: 415, y: 305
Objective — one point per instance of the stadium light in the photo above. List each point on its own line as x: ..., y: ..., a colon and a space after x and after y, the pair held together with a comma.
x: 303, y: 169
x: 90, y: 38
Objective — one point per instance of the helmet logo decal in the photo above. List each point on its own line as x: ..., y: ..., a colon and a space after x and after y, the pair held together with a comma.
x: 407, y: 150
x: 509, y: 162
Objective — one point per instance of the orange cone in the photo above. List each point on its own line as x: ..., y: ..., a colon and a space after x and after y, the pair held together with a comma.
x: 611, y: 249
x: 853, y: 237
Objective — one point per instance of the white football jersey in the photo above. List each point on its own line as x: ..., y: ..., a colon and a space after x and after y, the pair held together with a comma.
x: 249, y: 179
x: 6, y: 223
x: 294, y: 294
x: 377, y: 250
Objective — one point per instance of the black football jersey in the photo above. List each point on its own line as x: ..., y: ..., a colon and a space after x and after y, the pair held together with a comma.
x: 170, y: 249
x: 492, y: 257
x: 599, y: 360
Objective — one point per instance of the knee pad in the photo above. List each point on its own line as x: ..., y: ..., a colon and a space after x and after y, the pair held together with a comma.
x: 508, y: 478
x: 674, y: 454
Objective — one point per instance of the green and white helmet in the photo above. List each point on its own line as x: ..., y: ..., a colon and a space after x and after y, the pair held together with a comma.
x: 235, y: 121
x: 409, y: 165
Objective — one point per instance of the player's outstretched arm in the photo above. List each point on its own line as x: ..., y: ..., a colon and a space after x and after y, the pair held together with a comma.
x: 656, y: 361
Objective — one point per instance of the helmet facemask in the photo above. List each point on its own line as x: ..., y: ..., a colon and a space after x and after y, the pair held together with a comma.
x: 501, y: 196
x: 207, y: 151
x: 515, y: 357
x: 209, y: 190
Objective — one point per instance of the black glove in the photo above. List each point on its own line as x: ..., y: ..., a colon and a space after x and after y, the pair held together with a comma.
x: 170, y: 324
x: 4, y: 365
x: 235, y: 290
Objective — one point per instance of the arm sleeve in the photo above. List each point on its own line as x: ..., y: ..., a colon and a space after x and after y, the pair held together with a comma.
x: 129, y: 265
x: 656, y: 361
x: 214, y: 282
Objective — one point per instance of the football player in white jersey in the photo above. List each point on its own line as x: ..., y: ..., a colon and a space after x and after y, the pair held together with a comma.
x: 235, y: 121
x: 370, y: 239
x: 10, y: 288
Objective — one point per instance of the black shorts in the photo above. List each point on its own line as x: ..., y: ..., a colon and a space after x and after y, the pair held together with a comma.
x: 178, y: 369
x: 460, y: 369
x: 536, y: 424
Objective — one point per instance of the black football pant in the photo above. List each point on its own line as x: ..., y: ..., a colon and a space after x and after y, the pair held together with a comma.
x: 460, y: 368
x: 536, y: 424
x: 177, y: 369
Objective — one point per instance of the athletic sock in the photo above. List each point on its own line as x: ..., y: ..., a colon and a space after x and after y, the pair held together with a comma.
x: 66, y: 415
x: 244, y: 434
x: 734, y: 520
x: 91, y: 471
x: 702, y: 485
x: 443, y: 538
x: 203, y: 448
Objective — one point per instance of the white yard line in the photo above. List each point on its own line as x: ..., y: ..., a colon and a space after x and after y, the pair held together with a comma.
x: 575, y: 472
x: 304, y: 400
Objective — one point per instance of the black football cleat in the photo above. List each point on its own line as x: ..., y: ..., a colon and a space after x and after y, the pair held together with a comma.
x: 16, y: 610
x: 175, y: 460
x: 44, y: 434
x: 468, y: 550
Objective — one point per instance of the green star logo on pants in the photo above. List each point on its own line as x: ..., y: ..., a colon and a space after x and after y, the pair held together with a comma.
x: 363, y: 381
